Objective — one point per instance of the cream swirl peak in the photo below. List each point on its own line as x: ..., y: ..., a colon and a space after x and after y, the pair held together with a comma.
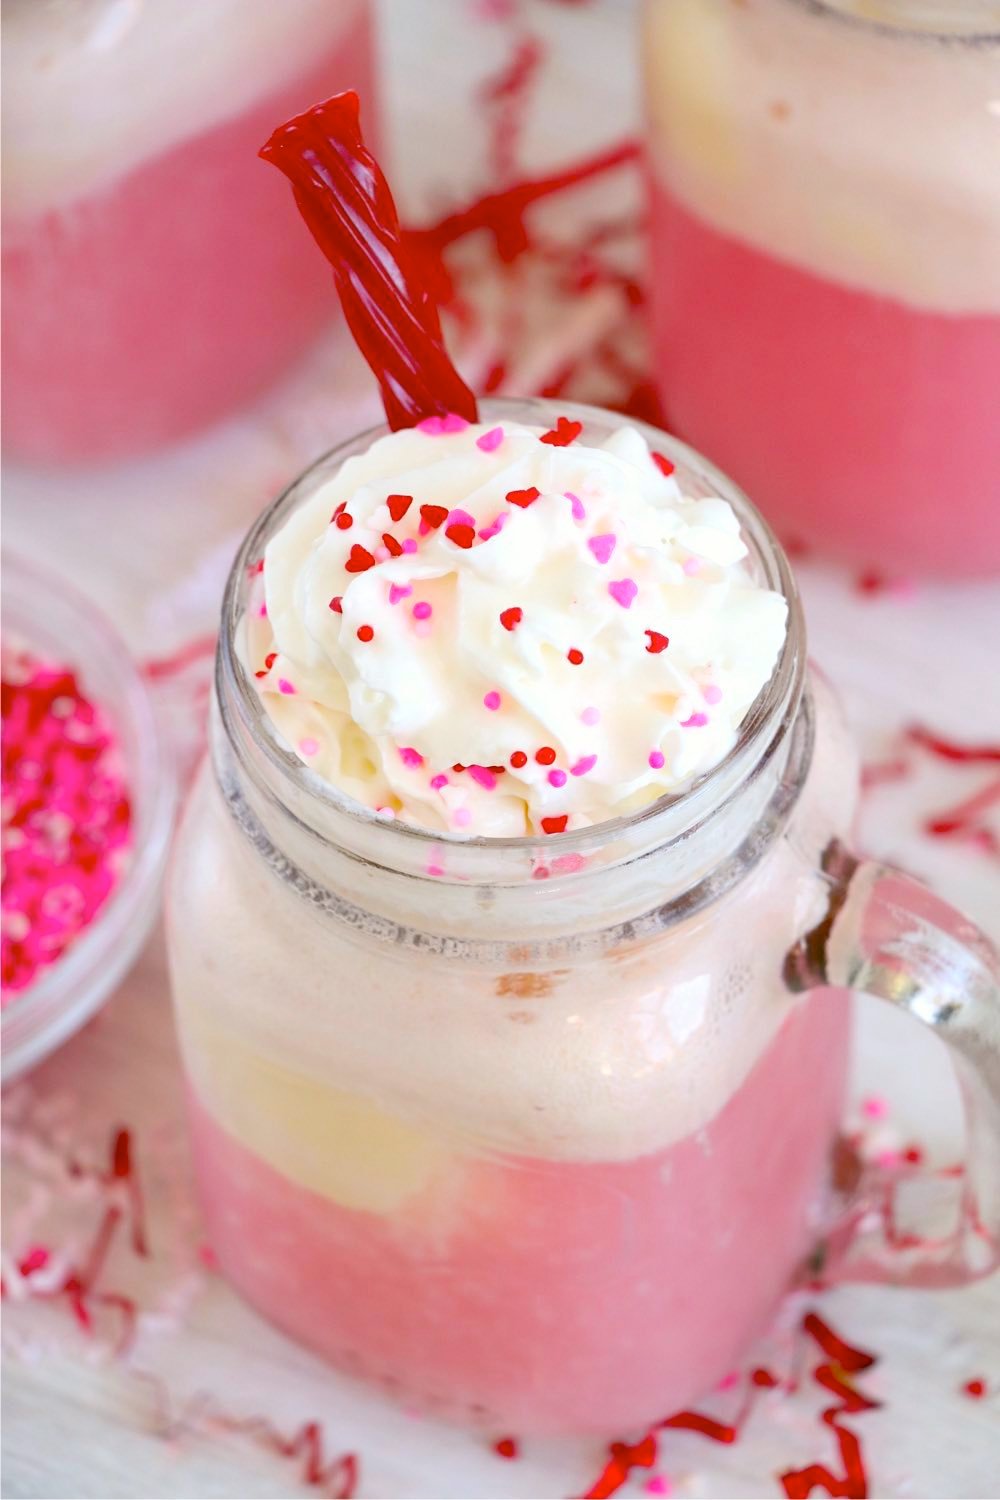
x: 495, y: 630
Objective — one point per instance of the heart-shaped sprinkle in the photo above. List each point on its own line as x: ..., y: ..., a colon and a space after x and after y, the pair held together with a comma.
x: 663, y: 463
x: 337, y: 604
x: 434, y: 515
x: 436, y: 426
x: 555, y: 825
x: 523, y: 498
x: 657, y: 642
x: 603, y: 546
x: 398, y: 505
x: 394, y: 548
x: 462, y: 535
x: 511, y: 618
x: 360, y: 560
x: 410, y: 757
x: 482, y: 777
x: 270, y: 659
x: 398, y: 591
x: 562, y: 433
x: 696, y: 721
x: 623, y: 591
x: 490, y: 441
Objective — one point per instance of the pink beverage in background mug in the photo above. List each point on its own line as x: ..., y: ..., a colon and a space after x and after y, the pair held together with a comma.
x: 825, y: 271
x: 151, y: 281
x: 506, y: 922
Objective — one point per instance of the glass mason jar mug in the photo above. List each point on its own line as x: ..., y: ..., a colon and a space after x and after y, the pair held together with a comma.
x: 537, y: 1131
x: 825, y: 264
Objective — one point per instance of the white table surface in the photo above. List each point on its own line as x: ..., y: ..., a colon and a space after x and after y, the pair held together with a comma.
x: 152, y: 543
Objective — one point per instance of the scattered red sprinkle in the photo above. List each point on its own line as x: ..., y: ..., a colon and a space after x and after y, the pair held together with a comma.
x: 555, y: 825
x: 913, y: 1155
x: 66, y: 816
x: 663, y: 463
x: 657, y: 642
x: 392, y: 546
x: 518, y: 759
x: 360, y: 560
x: 624, y: 1458
x: 434, y: 515
x: 523, y: 498
x: 975, y: 1388
x: 270, y: 659
x: 563, y: 433
x: 339, y: 510
x: 511, y: 618
x: 463, y: 536
x: 545, y: 756
x: 365, y: 633
x: 337, y: 604
x: 506, y: 1447
x: 574, y: 656
x: 398, y: 505
x: 344, y: 521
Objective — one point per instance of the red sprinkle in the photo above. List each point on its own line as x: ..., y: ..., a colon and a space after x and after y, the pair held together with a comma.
x: 563, y: 433
x: 365, y: 633
x: 663, y: 463
x: 574, y: 656
x: 523, y: 498
x: 392, y: 546
x: 555, y: 825
x: 657, y: 642
x: 975, y: 1388
x: 506, y: 1447
x: 434, y: 515
x: 545, y: 756
x: 337, y: 604
x: 511, y: 618
x: 518, y: 759
x: 360, y: 560
x: 399, y: 505
x: 66, y: 816
x: 344, y: 521
x: 463, y: 536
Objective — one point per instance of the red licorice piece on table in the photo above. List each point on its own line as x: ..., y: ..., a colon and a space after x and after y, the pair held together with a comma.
x: 348, y: 207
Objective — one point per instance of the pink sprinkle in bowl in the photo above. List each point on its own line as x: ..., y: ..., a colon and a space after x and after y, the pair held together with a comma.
x: 49, y: 618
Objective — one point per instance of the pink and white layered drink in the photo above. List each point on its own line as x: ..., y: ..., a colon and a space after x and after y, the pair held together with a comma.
x: 479, y: 920
x: 825, y: 270
x: 151, y: 282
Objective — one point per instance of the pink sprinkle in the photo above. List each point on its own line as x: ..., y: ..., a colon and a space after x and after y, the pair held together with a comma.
x: 591, y: 716
x: 656, y: 759
x: 691, y: 566
x: 433, y: 868
x: 888, y: 1159
x: 495, y: 527
x: 696, y: 721
x: 308, y: 746
x: 584, y: 764
x: 492, y: 701
x: 284, y: 686
x: 436, y: 426
x: 460, y: 518
x: 399, y: 591
x: 382, y: 553
x: 579, y: 514
x: 557, y: 778
x: 461, y: 817
x: 262, y: 612
x: 623, y: 591
x: 568, y: 864
x: 659, y: 1485
x: 422, y: 610
x: 603, y: 546
x: 875, y: 1107
x: 409, y: 756
x: 490, y: 441
x: 712, y: 694
x: 729, y: 1381
x: 482, y: 777
x: 437, y: 782
x: 410, y: 544
x: 423, y: 528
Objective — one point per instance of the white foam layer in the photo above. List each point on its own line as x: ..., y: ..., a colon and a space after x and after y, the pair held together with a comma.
x: 93, y: 87
x: 866, y: 155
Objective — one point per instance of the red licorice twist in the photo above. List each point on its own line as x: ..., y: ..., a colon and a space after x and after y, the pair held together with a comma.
x: 348, y: 207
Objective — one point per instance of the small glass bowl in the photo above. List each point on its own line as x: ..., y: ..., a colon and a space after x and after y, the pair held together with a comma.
x: 47, y: 617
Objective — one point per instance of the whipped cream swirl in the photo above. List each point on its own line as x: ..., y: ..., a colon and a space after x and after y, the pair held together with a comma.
x: 498, y: 631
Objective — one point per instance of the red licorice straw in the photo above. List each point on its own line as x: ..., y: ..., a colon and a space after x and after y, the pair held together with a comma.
x: 348, y: 207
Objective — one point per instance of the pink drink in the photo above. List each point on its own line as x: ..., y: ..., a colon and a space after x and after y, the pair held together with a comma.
x: 152, y: 277
x: 552, y: 1304
x: 825, y: 272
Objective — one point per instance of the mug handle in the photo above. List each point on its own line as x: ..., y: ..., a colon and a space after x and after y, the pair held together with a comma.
x: 888, y: 936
